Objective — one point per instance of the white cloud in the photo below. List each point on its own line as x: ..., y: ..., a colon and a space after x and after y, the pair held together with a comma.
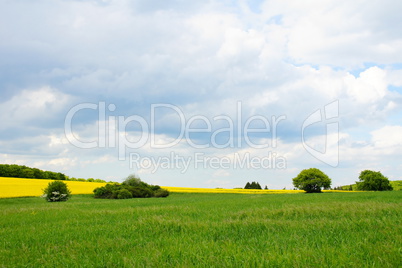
x: 388, y: 137
x: 345, y: 34
x: 33, y: 105
x: 290, y: 59
x: 369, y: 87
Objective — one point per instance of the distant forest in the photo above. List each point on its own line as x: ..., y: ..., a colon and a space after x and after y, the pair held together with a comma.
x: 17, y: 171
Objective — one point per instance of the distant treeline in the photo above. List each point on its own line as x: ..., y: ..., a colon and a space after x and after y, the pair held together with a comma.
x: 253, y: 185
x: 18, y: 171
x: 397, y: 185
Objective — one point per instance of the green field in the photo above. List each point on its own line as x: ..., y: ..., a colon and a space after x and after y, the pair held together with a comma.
x: 205, y: 230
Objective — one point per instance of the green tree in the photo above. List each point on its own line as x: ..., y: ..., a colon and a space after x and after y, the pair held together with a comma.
x: 133, y: 185
x: 133, y: 180
x: 253, y: 185
x: 56, y: 191
x: 26, y: 172
x: 312, y: 180
x: 373, y: 181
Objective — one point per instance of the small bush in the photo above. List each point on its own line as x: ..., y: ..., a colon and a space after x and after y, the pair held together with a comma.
x: 141, y: 192
x: 132, y: 187
x: 155, y: 187
x: 132, y: 180
x: 56, y: 191
x: 109, y: 191
x: 101, y: 192
x: 124, y: 194
x: 161, y: 193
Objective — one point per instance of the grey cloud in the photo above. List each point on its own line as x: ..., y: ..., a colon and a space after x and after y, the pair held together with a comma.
x: 201, y: 56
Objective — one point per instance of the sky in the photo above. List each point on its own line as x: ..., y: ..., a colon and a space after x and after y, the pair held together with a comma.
x: 202, y: 93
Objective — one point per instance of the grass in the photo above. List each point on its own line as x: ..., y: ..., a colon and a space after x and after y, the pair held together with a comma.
x: 205, y: 230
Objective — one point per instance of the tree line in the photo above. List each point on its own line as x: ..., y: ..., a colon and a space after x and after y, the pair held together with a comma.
x: 21, y: 171
x: 17, y: 171
x: 314, y: 180
x: 253, y: 185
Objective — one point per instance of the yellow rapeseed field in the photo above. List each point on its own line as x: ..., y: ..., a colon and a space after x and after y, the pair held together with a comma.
x: 235, y: 191
x: 16, y: 187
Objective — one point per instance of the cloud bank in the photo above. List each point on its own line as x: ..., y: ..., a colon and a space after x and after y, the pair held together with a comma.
x: 275, y: 58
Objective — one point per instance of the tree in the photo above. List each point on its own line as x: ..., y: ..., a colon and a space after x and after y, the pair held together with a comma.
x: 132, y: 187
x: 253, y: 185
x: 56, y: 191
x: 133, y: 180
x: 373, y: 181
x: 312, y: 180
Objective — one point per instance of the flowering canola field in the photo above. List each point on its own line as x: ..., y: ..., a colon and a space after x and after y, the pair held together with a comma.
x: 16, y: 187
x: 237, y: 191
x: 233, y: 191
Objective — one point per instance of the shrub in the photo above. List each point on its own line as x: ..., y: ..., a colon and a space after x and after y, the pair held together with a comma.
x: 109, y: 191
x: 124, y: 194
x: 56, y: 191
x: 373, y: 181
x: 132, y: 187
x: 161, y: 193
x: 132, y: 180
x: 312, y: 180
x: 102, y: 192
x: 141, y: 192
x: 155, y: 187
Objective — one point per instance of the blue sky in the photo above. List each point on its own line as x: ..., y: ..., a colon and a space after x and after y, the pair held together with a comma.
x: 200, y: 73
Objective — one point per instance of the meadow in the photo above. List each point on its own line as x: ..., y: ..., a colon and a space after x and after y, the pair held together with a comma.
x: 361, y: 229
